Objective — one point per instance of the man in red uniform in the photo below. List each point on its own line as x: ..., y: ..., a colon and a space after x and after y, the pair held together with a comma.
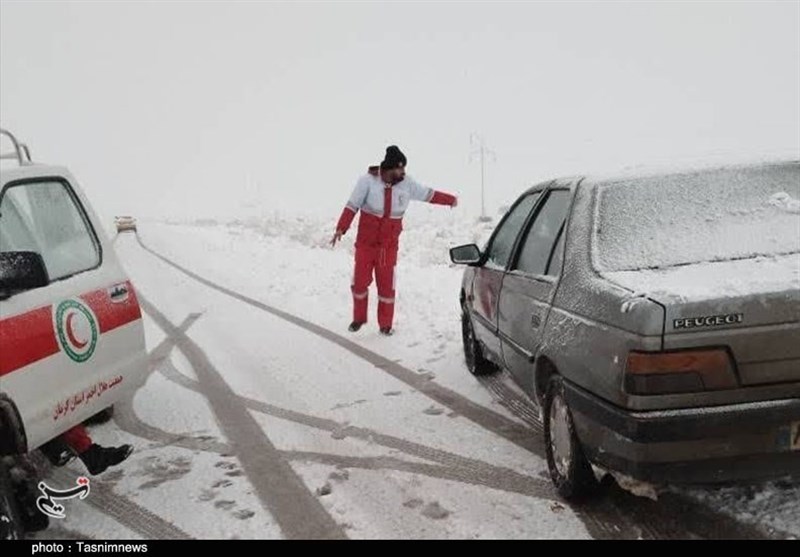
x: 382, y: 196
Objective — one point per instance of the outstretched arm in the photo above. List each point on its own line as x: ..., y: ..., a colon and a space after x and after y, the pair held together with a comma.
x: 355, y: 202
x: 429, y: 195
x: 442, y: 198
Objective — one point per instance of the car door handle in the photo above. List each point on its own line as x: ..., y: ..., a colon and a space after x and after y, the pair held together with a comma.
x: 535, y: 321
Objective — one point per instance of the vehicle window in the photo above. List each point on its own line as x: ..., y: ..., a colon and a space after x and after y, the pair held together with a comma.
x: 503, y: 241
x: 683, y: 219
x: 44, y: 217
x: 543, y: 233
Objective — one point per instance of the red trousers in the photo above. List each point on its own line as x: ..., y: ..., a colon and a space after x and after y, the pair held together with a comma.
x: 77, y: 438
x: 371, y: 260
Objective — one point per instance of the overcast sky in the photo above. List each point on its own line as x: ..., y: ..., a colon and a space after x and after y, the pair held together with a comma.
x: 203, y: 108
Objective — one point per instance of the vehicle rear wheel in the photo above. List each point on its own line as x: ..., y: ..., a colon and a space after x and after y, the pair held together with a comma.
x: 570, y: 471
x: 477, y: 364
x: 10, y: 522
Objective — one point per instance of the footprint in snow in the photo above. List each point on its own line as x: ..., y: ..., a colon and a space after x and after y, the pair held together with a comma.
x: 339, y: 475
x: 207, y: 495
x: 326, y: 489
x: 435, y: 511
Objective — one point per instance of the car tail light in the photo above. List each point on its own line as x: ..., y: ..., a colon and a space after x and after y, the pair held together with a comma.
x: 656, y: 373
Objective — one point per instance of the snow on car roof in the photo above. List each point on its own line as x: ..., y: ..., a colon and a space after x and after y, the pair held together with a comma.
x: 632, y: 173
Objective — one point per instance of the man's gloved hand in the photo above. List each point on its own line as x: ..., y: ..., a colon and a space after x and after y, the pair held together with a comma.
x: 455, y: 202
x: 336, y: 237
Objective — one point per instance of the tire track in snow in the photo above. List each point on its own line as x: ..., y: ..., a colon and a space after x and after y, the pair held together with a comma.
x: 281, y: 491
x: 488, y: 419
x: 449, y: 465
x: 123, y: 510
x: 498, y: 384
x: 127, y: 420
x: 485, y: 476
x: 466, y: 469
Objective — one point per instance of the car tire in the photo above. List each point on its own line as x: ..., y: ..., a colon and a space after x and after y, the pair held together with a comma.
x: 477, y: 364
x: 101, y: 417
x: 26, y: 489
x: 569, y: 468
x: 11, y: 527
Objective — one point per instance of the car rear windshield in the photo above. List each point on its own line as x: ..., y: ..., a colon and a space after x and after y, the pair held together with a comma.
x: 720, y: 215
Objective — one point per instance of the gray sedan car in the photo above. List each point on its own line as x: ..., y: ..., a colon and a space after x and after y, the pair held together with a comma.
x: 654, y: 318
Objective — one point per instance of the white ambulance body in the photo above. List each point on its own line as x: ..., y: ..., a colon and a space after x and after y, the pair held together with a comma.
x: 71, y: 333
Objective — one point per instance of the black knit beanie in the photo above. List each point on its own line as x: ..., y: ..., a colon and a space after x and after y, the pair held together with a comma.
x: 394, y: 158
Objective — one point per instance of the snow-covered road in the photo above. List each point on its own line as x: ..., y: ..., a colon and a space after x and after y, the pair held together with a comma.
x: 263, y: 418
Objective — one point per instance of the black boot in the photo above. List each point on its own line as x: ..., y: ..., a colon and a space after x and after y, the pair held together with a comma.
x: 354, y: 326
x: 97, y: 459
x: 387, y: 331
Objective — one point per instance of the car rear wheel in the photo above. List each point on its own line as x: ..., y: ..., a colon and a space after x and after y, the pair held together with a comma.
x: 570, y: 471
x: 10, y: 522
x: 477, y: 364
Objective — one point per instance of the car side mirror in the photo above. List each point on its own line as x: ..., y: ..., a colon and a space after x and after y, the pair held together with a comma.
x: 465, y: 255
x: 21, y: 270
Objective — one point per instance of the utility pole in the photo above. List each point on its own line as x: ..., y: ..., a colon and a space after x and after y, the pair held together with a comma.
x: 481, y: 151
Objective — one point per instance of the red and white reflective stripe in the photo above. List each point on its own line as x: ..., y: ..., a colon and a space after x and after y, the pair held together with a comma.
x: 30, y: 337
x: 111, y: 315
x: 26, y: 338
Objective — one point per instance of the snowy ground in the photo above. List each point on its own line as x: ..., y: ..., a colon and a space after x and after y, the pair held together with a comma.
x: 372, y: 444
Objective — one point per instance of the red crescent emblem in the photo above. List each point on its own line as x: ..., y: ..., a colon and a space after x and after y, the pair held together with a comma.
x: 71, y: 334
